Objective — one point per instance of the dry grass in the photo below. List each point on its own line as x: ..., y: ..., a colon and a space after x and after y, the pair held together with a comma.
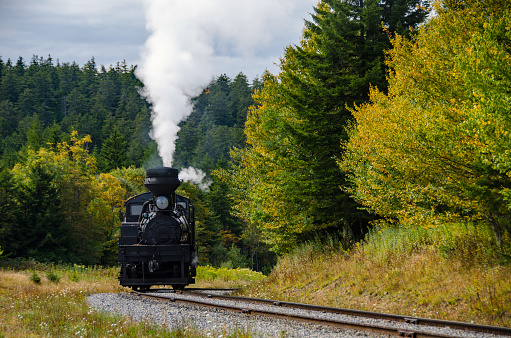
x: 423, y: 282
x: 56, y: 305
x: 59, y: 309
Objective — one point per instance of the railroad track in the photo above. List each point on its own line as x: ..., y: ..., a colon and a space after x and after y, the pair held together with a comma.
x: 380, y: 323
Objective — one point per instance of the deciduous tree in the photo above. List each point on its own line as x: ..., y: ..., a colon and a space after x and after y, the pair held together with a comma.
x: 437, y: 146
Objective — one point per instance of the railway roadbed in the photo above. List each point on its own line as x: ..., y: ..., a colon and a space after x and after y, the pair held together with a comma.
x: 220, y: 314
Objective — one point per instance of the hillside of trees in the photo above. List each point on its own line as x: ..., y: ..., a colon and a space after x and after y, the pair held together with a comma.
x: 377, y: 118
x: 42, y: 101
x: 68, y: 208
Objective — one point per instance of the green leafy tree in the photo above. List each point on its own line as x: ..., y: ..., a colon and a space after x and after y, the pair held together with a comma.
x: 107, y: 210
x: 58, y: 186
x: 235, y: 258
x: 131, y: 180
x: 436, y: 147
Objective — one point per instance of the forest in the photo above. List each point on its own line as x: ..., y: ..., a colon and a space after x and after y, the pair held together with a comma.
x: 75, y: 143
x: 380, y: 117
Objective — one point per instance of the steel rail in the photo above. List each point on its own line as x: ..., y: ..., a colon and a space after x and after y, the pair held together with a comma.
x: 158, y: 289
x: 368, y: 314
x: 375, y: 328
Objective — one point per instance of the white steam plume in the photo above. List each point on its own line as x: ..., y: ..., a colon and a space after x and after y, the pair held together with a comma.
x: 190, y: 38
x: 196, y: 176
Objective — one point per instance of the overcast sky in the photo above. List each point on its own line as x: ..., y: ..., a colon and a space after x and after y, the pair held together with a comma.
x: 116, y: 30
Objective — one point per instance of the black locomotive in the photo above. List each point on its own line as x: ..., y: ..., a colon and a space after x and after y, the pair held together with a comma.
x: 157, y: 242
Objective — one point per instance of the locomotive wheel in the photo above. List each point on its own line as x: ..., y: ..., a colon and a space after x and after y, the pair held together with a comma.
x: 178, y: 286
x: 141, y: 288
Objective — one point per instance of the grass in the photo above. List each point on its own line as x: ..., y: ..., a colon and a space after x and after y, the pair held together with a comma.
x: 442, y: 273
x: 38, y: 300
x: 453, y: 272
x: 210, y: 277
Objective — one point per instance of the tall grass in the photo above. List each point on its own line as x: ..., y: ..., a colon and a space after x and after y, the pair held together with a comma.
x: 48, y: 308
x: 454, y: 272
x: 56, y: 304
x: 209, y: 276
x: 468, y: 243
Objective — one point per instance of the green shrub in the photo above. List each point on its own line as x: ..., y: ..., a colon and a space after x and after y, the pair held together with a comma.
x: 34, y: 277
x: 240, y: 275
x: 74, y: 277
x: 52, y: 277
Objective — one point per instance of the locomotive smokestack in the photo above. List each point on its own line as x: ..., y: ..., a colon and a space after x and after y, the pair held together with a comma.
x: 162, y: 181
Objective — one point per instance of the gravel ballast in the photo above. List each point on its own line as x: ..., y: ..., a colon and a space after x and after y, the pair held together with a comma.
x: 216, y: 322
x: 211, y: 321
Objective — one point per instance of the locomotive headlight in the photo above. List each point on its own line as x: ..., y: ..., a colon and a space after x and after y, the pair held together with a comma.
x: 162, y: 202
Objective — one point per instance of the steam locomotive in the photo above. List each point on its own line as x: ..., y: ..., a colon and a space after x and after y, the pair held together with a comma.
x: 157, y: 241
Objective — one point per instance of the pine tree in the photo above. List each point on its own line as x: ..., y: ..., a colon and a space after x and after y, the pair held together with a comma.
x: 113, y: 153
x: 40, y: 231
x: 10, y: 212
x: 296, y: 132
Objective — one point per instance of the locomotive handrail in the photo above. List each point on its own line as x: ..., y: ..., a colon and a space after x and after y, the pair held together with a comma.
x: 142, y: 212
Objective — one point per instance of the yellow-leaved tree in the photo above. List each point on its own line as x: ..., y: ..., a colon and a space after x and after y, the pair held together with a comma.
x: 67, y: 213
x: 260, y: 173
x: 437, y: 147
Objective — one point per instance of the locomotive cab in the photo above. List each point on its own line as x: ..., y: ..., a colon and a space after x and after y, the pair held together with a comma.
x: 157, y: 242
x: 134, y: 206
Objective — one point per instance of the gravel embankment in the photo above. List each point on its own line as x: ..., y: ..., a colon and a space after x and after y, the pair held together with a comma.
x: 218, y: 322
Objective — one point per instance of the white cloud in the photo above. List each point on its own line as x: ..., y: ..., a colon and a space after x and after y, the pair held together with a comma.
x: 72, y: 30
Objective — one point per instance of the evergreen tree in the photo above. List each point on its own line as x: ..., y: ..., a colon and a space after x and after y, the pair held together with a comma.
x: 10, y: 212
x: 240, y: 99
x: 288, y: 181
x: 113, y: 152
x: 39, y: 231
x: 218, y: 107
x: 10, y: 86
x: 8, y: 121
x: 139, y: 141
x: 35, y: 134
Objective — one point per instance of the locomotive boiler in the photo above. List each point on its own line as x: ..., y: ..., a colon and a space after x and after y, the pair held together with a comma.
x: 157, y: 241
